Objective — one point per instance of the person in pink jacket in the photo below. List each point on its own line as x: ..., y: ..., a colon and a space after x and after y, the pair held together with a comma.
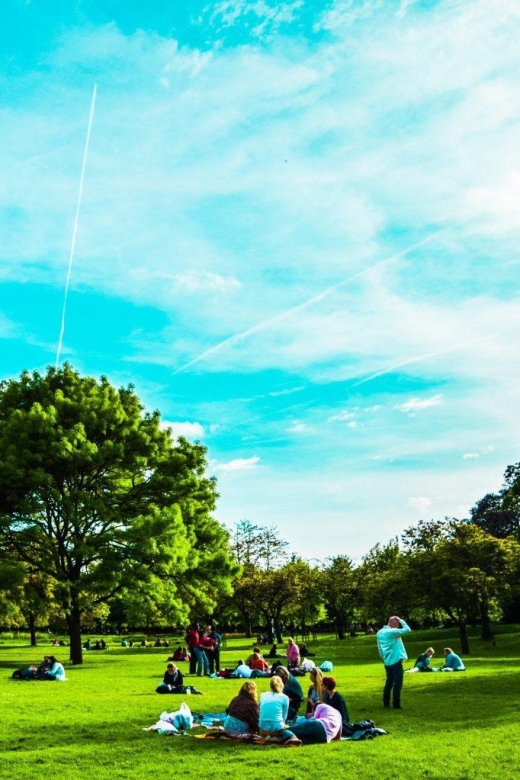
x: 293, y: 654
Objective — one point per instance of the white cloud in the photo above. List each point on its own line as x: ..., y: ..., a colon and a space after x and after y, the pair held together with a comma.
x: 418, y: 404
x: 238, y: 464
x: 352, y: 425
x: 421, y: 503
x: 341, y: 416
x: 190, y: 282
x: 191, y: 430
x: 297, y: 427
x: 487, y: 450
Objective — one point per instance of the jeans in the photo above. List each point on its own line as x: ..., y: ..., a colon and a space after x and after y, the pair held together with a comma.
x: 394, y: 683
x: 312, y: 732
x: 202, y: 662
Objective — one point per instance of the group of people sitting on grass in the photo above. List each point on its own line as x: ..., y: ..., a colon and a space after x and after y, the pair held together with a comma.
x: 326, y: 716
x: 99, y: 644
x: 49, y: 669
x: 452, y: 662
x: 257, y: 666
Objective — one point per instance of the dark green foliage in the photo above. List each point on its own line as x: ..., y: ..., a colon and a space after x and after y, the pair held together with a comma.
x: 95, y: 494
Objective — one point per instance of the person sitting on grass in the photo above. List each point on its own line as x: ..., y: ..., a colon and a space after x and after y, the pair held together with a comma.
x: 256, y: 650
x: 335, y: 699
x: 315, y: 694
x: 452, y: 661
x: 55, y: 670
x: 305, y: 652
x: 273, y: 652
x: 323, y: 726
x: 423, y: 662
x: 259, y: 667
x: 274, y: 707
x: 243, y: 711
x: 293, y: 654
x: 173, y: 681
x: 292, y: 689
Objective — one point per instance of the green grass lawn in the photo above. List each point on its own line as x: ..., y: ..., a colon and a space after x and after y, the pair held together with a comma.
x: 453, y: 726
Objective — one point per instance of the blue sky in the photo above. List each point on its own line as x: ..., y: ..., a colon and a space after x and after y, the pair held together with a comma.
x: 298, y: 239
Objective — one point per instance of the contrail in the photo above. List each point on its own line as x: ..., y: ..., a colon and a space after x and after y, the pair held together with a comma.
x: 75, y: 228
x: 283, y: 315
x: 421, y: 358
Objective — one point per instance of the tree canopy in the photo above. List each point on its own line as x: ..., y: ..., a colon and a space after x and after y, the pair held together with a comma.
x: 95, y: 495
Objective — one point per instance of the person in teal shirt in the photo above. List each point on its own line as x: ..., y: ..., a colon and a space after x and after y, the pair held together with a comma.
x: 452, y: 661
x: 423, y: 662
x: 393, y: 653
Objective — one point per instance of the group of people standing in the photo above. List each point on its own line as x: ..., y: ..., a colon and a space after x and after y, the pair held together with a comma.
x: 204, y: 650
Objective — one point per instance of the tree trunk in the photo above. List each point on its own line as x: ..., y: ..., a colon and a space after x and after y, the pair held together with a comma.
x: 31, y: 622
x: 74, y: 625
x: 464, y: 642
x: 486, y: 633
x: 340, y: 628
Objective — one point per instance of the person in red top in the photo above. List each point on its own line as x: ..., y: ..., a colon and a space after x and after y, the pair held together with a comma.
x: 258, y: 665
x: 206, y: 648
x: 193, y: 639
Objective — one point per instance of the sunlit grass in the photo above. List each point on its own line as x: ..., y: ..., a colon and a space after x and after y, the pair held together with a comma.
x: 453, y: 726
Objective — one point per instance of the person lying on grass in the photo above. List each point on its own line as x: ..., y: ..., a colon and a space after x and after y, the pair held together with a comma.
x: 243, y: 712
x: 323, y: 726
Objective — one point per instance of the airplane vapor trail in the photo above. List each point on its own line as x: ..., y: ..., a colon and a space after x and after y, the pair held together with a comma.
x: 265, y: 324
x: 437, y: 353
x: 75, y: 228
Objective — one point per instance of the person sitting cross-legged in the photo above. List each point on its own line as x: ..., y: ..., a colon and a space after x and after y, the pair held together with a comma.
x: 423, y: 662
x: 173, y: 681
x: 452, y: 662
x: 274, y: 707
x: 242, y: 713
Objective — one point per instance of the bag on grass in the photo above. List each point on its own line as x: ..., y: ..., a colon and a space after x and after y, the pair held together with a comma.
x: 181, y: 719
x: 326, y: 666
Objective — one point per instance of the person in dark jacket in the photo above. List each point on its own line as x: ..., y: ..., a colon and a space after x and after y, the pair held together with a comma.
x: 242, y: 713
x: 292, y: 689
x: 173, y: 681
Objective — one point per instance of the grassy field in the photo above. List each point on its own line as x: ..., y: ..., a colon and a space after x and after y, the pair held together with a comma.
x: 452, y: 727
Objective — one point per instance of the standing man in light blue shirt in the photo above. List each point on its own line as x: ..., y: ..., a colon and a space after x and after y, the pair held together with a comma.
x: 392, y: 651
